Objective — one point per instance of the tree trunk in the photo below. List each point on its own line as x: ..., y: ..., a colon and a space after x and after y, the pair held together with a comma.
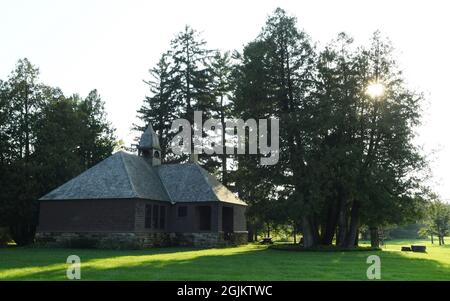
x: 308, y: 233
x: 331, y: 224
x: 374, y: 237
x: 354, y: 225
x: 432, y: 240
x: 355, y: 244
x: 295, y: 233
x: 250, y: 233
x: 224, y: 152
x: 337, y: 236
x: 342, y: 226
x: 315, y: 228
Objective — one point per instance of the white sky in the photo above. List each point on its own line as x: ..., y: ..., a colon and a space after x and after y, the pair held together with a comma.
x: 110, y: 45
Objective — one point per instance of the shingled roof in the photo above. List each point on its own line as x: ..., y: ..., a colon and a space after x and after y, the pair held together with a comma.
x: 127, y: 176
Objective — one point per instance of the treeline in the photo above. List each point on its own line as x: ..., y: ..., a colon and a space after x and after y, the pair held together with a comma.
x: 437, y: 220
x: 46, y: 138
x: 347, y: 122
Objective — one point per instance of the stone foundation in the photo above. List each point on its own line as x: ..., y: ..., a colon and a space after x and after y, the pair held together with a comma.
x: 140, y: 240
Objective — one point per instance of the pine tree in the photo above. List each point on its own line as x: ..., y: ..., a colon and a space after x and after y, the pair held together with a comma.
x: 192, y: 75
x: 221, y: 108
x: 19, y: 194
x: 47, y: 139
x: 181, y: 83
x: 162, y: 106
x: 98, y: 138
x: 276, y: 76
x: 191, y: 71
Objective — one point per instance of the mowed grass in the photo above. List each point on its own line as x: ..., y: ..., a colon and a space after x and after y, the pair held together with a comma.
x: 248, y: 262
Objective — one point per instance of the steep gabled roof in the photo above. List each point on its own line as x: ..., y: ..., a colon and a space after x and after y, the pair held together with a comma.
x: 120, y: 176
x: 128, y: 176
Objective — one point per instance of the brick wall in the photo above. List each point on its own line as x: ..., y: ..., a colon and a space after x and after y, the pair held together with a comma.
x: 87, y: 215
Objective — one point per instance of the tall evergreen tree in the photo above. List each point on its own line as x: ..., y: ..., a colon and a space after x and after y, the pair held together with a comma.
x: 4, y: 122
x: 360, y: 136
x: 391, y: 162
x: 46, y: 140
x: 181, y: 84
x: 98, y: 139
x: 284, y: 59
x: 221, y: 108
x: 346, y: 157
x: 191, y: 71
x: 254, y: 183
x: 24, y: 96
x: 163, y: 106
x: 192, y: 75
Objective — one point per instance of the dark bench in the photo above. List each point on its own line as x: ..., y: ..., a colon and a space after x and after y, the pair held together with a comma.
x: 417, y: 248
x: 406, y: 249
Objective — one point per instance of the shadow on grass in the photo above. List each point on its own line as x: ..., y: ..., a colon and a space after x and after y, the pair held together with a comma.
x: 251, y: 262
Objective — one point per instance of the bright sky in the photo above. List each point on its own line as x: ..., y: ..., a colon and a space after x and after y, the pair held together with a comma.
x: 110, y: 45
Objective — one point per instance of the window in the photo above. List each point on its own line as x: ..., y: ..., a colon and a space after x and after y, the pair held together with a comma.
x: 182, y: 211
x: 204, y: 218
x: 162, y: 217
x: 148, y: 216
x: 155, y: 216
x: 227, y: 219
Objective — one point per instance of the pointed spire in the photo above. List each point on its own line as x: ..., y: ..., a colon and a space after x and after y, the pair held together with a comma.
x: 149, y: 146
x: 149, y: 140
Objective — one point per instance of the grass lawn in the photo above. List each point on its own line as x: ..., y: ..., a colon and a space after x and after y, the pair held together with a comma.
x: 249, y: 262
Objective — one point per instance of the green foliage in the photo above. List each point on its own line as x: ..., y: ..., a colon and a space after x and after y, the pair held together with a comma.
x: 411, y: 231
x: 163, y: 106
x: 46, y: 139
x: 191, y: 71
x: 347, y: 158
x: 181, y: 82
x: 437, y: 220
x: 188, y: 77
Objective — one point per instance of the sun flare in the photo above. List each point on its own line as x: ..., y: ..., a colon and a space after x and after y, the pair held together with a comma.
x: 375, y: 89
